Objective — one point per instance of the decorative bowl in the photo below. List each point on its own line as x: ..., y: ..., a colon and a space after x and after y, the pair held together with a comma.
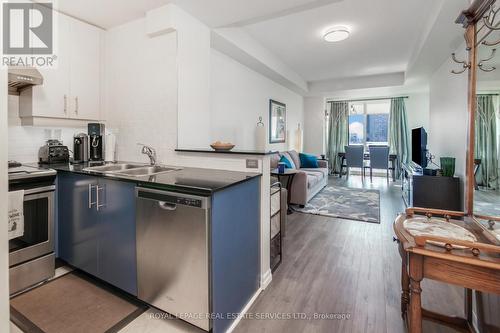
x: 220, y: 146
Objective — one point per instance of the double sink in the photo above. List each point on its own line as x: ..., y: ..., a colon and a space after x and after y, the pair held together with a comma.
x: 131, y: 170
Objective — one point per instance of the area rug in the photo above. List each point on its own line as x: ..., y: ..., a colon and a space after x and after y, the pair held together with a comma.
x: 345, y: 203
x: 74, y: 303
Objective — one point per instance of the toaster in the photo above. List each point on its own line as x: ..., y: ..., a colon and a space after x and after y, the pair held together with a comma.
x: 53, y: 152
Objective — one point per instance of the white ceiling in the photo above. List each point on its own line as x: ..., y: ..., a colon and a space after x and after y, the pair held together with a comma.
x: 219, y: 13
x: 388, y: 36
x: 384, y: 35
x: 107, y: 13
x: 214, y: 13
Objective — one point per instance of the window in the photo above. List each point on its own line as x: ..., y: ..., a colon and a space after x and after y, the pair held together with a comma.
x: 357, y: 124
x: 369, y: 122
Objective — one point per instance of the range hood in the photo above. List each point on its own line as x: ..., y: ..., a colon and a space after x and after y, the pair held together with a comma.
x: 23, y: 77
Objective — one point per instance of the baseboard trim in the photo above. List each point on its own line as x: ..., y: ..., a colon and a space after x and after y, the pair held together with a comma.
x: 266, y: 279
x: 244, y: 311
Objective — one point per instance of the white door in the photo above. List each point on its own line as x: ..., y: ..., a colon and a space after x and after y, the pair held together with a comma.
x: 85, y: 71
x: 51, y: 99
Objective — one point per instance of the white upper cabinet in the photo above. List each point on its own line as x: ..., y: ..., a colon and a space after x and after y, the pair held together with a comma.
x: 71, y: 89
x: 85, y: 73
x: 52, y: 98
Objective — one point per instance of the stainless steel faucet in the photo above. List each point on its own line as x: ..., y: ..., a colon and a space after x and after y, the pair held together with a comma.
x: 150, y: 151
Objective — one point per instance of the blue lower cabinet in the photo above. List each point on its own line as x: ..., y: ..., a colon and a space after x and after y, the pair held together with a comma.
x: 117, y: 256
x: 235, y: 251
x: 78, y: 225
x: 96, y: 228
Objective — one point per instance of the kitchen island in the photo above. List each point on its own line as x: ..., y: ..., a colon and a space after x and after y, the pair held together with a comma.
x: 186, y: 241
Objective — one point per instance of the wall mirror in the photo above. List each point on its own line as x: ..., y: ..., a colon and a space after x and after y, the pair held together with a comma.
x: 486, y: 172
x: 487, y: 132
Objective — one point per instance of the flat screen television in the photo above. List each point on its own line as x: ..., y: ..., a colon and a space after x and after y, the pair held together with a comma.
x: 419, y: 146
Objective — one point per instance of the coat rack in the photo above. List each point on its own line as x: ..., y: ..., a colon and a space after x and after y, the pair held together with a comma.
x: 489, y: 23
x: 465, y: 65
x: 481, y: 63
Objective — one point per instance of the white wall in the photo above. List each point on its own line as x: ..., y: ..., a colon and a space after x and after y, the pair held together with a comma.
x: 240, y: 45
x: 239, y: 96
x: 4, y: 247
x: 193, y: 61
x: 24, y: 141
x: 417, y: 107
x: 140, y: 94
x: 314, y: 125
x: 448, y: 115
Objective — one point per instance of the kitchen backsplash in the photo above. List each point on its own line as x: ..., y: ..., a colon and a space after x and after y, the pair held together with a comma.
x: 24, y: 141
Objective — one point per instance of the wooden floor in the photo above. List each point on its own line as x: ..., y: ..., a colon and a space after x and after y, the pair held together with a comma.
x: 335, y: 266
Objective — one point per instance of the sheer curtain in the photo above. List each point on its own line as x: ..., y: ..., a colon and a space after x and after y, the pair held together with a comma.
x: 338, y: 133
x: 399, y: 139
x: 486, y: 141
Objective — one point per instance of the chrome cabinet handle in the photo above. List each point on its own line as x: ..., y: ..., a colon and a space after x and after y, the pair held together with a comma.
x: 65, y: 104
x: 97, y: 195
x: 90, y: 196
x: 76, y: 105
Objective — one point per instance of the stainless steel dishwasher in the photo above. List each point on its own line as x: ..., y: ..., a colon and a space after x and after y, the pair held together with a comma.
x: 172, y: 253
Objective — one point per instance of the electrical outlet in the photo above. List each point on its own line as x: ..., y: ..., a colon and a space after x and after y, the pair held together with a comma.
x: 252, y: 164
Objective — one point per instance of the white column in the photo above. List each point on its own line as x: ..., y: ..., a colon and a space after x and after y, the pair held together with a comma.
x: 4, y: 243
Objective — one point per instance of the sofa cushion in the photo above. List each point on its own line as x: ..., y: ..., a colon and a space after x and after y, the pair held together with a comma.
x: 308, y: 161
x: 313, y: 179
x: 275, y: 158
x: 288, y: 163
x: 290, y: 159
x: 323, y: 171
x: 315, y: 175
x: 295, y: 157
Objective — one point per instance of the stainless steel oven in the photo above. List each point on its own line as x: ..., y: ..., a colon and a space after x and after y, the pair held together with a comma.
x: 31, y: 255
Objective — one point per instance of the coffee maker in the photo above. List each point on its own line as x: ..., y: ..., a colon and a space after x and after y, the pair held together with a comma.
x: 96, y: 142
x: 80, y: 148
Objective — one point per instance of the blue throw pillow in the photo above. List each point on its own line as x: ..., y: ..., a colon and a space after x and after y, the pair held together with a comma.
x: 285, y: 160
x: 308, y: 161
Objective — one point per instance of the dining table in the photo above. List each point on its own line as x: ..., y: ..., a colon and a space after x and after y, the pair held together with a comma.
x: 366, y: 156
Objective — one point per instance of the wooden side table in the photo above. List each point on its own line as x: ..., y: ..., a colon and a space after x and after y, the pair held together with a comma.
x: 477, y: 267
x: 286, y: 180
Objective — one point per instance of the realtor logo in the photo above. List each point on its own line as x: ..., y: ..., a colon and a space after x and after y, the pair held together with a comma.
x: 27, y: 28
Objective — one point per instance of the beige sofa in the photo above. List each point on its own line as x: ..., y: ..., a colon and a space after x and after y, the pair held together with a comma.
x: 308, y: 182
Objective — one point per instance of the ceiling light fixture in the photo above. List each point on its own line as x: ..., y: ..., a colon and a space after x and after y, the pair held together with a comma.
x: 336, y: 34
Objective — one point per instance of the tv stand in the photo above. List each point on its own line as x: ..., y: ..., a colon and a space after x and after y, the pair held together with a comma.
x: 435, y: 192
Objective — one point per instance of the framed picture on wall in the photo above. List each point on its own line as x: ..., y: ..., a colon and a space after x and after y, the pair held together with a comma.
x: 277, y: 122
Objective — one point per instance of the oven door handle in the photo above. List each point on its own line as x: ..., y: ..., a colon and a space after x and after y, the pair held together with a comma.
x: 37, y: 190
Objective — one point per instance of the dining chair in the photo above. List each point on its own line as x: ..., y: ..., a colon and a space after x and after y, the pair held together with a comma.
x: 379, y: 159
x: 354, y: 157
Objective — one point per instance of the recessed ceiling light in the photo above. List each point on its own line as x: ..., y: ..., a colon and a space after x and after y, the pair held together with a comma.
x: 336, y: 34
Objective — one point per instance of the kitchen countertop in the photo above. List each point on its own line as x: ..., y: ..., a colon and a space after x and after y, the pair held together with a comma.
x: 196, y: 181
x: 232, y: 151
